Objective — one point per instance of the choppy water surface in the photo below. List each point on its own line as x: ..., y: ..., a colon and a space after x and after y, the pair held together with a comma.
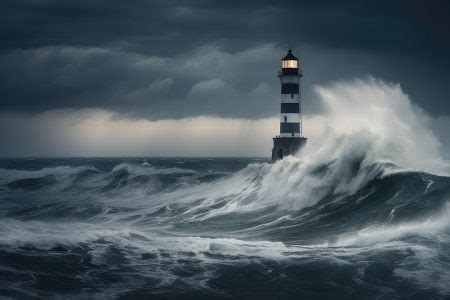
x: 222, y: 228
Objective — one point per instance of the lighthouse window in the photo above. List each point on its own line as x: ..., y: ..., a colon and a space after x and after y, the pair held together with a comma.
x: 290, y: 64
x: 285, y: 118
x: 292, y: 134
x: 292, y: 96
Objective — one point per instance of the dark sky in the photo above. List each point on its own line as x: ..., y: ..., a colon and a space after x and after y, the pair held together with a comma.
x: 172, y: 59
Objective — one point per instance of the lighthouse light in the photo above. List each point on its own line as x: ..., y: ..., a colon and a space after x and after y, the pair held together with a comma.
x: 290, y: 64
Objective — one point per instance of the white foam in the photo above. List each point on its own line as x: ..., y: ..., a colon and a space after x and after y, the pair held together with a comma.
x: 431, y: 227
x: 147, y: 169
x: 13, y: 174
x: 44, y: 235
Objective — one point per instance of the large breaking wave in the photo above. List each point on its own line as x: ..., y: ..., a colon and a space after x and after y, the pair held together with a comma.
x: 362, y: 211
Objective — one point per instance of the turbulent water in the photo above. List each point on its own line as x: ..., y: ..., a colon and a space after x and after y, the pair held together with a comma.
x: 224, y: 228
x: 362, y: 212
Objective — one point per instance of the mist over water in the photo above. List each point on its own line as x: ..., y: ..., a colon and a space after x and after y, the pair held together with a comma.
x: 363, y: 211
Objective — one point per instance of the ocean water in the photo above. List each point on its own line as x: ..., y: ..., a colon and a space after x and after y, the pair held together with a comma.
x: 223, y: 228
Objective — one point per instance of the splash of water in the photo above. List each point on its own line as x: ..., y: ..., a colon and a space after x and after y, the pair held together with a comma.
x: 372, y: 129
x: 377, y: 120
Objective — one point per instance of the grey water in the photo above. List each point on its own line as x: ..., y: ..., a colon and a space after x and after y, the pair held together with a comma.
x: 221, y: 228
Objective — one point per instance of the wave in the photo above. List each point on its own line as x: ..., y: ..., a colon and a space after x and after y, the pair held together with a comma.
x: 311, y: 197
x: 383, y: 233
x: 411, y: 248
x: 377, y: 119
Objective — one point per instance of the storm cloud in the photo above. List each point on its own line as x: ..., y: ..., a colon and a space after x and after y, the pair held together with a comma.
x: 175, y: 59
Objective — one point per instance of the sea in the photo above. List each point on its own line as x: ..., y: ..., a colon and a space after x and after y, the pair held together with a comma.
x: 351, y: 227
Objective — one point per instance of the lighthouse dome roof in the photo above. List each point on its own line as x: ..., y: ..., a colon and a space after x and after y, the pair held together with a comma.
x: 290, y: 56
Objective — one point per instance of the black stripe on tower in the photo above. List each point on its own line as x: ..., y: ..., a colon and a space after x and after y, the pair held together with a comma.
x: 289, y: 71
x: 289, y: 127
x: 289, y: 88
x: 287, y: 108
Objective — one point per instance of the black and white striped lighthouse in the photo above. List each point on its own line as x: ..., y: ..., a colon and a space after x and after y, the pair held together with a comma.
x: 290, y: 139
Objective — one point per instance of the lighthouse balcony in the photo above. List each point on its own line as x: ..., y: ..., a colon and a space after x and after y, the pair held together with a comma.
x: 290, y: 72
x: 289, y: 135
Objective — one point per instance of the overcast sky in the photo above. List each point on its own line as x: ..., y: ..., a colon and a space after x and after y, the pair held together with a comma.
x: 169, y: 60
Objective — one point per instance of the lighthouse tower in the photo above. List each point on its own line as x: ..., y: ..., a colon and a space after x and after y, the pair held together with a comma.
x: 290, y: 139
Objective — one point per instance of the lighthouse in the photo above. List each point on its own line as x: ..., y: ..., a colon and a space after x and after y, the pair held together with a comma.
x: 290, y: 139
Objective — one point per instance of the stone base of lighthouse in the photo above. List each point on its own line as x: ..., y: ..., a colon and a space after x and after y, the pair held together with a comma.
x: 284, y: 146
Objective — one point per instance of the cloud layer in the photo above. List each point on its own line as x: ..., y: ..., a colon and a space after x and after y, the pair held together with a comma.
x: 177, y: 59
